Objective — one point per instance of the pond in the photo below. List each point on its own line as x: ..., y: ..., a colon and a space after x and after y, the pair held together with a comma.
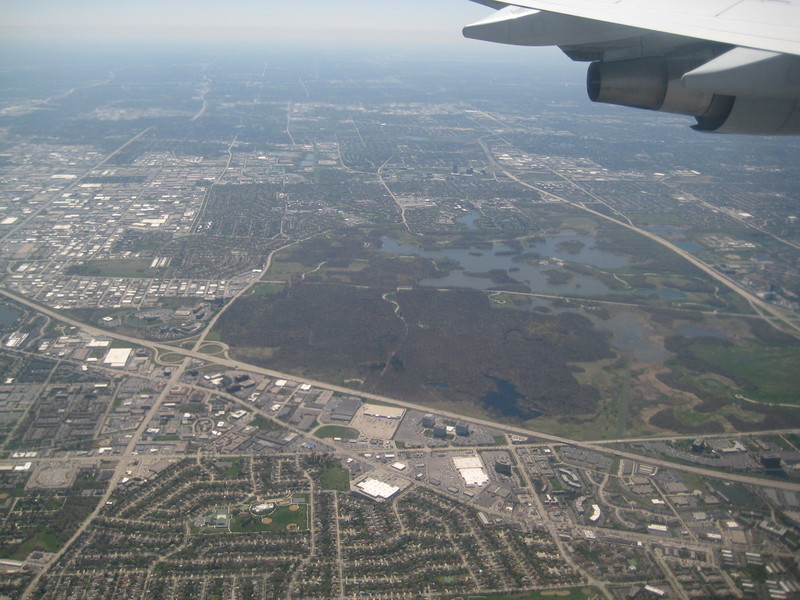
x: 503, y: 400
x: 469, y: 220
x: 629, y: 335
x: 8, y: 316
x: 500, y: 257
x: 663, y: 293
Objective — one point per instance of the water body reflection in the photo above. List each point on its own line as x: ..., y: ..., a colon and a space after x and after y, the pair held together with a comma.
x: 8, y: 316
x: 503, y: 401
x: 629, y: 334
x: 501, y: 258
x: 469, y: 220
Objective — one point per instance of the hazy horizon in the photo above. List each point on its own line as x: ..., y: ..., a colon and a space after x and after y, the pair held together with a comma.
x: 409, y: 21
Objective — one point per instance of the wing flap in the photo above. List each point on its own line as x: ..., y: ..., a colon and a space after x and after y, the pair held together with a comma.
x: 748, y: 73
x: 772, y: 25
x: 525, y: 27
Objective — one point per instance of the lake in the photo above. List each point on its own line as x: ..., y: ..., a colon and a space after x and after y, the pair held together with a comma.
x: 8, y: 316
x: 469, y: 220
x: 501, y: 257
x: 629, y: 335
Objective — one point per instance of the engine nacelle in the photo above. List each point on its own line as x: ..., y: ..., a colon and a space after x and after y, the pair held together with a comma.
x: 655, y: 84
x: 756, y: 116
x: 652, y: 83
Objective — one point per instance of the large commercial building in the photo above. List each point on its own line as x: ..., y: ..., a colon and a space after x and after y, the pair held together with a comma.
x: 383, y: 412
x: 346, y: 410
x: 377, y: 489
x: 471, y: 470
x: 117, y: 357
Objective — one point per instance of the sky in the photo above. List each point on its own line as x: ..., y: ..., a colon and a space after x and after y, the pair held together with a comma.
x: 397, y: 21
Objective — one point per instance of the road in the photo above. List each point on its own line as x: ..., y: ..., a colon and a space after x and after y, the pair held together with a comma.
x: 122, y: 466
x: 391, y: 193
x: 201, y: 340
x: 756, y: 302
x: 759, y: 305
x: 77, y: 181
x: 127, y: 456
x: 554, y: 534
x: 546, y: 437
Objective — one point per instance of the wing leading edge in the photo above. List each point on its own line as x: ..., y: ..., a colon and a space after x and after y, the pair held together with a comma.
x: 733, y: 65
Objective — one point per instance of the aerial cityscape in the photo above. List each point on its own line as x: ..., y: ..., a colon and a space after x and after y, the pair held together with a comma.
x: 283, y: 324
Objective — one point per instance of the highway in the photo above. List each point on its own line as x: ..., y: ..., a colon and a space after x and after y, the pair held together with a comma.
x: 545, y: 437
x: 759, y: 305
x: 124, y: 460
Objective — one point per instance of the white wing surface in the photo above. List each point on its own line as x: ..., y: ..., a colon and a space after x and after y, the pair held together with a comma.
x: 732, y: 64
x: 763, y: 24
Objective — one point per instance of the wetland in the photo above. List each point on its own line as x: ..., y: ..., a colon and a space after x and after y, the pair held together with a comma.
x: 478, y: 324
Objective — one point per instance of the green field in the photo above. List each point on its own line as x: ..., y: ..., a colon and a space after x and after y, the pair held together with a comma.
x: 42, y: 540
x: 334, y: 477
x: 121, y: 267
x: 213, y: 336
x: 337, y: 431
x: 281, y: 519
x: 232, y: 468
x: 213, y: 349
x: 265, y: 289
x: 773, y: 370
x: 171, y: 357
x: 536, y: 176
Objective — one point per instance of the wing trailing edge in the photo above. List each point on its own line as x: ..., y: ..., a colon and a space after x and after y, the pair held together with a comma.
x: 734, y: 65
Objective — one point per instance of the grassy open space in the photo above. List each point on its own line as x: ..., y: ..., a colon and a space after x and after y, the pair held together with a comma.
x: 334, y: 477
x: 535, y: 176
x: 213, y: 349
x: 773, y: 370
x: 183, y: 342
x: 171, y: 357
x: 42, y: 540
x: 121, y: 267
x: 337, y: 431
x: 265, y: 289
x: 213, y: 336
x: 232, y: 468
x: 283, y: 518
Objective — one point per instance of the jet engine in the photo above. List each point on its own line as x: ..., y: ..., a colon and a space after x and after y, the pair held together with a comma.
x: 727, y: 88
x: 662, y: 84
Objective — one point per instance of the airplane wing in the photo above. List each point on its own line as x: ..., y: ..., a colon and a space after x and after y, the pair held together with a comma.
x: 732, y: 64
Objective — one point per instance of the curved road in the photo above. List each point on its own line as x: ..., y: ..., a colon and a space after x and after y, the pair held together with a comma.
x: 759, y: 305
x: 233, y: 364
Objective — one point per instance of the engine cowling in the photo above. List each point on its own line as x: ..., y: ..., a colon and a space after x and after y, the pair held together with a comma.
x: 655, y: 84
x: 757, y: 116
